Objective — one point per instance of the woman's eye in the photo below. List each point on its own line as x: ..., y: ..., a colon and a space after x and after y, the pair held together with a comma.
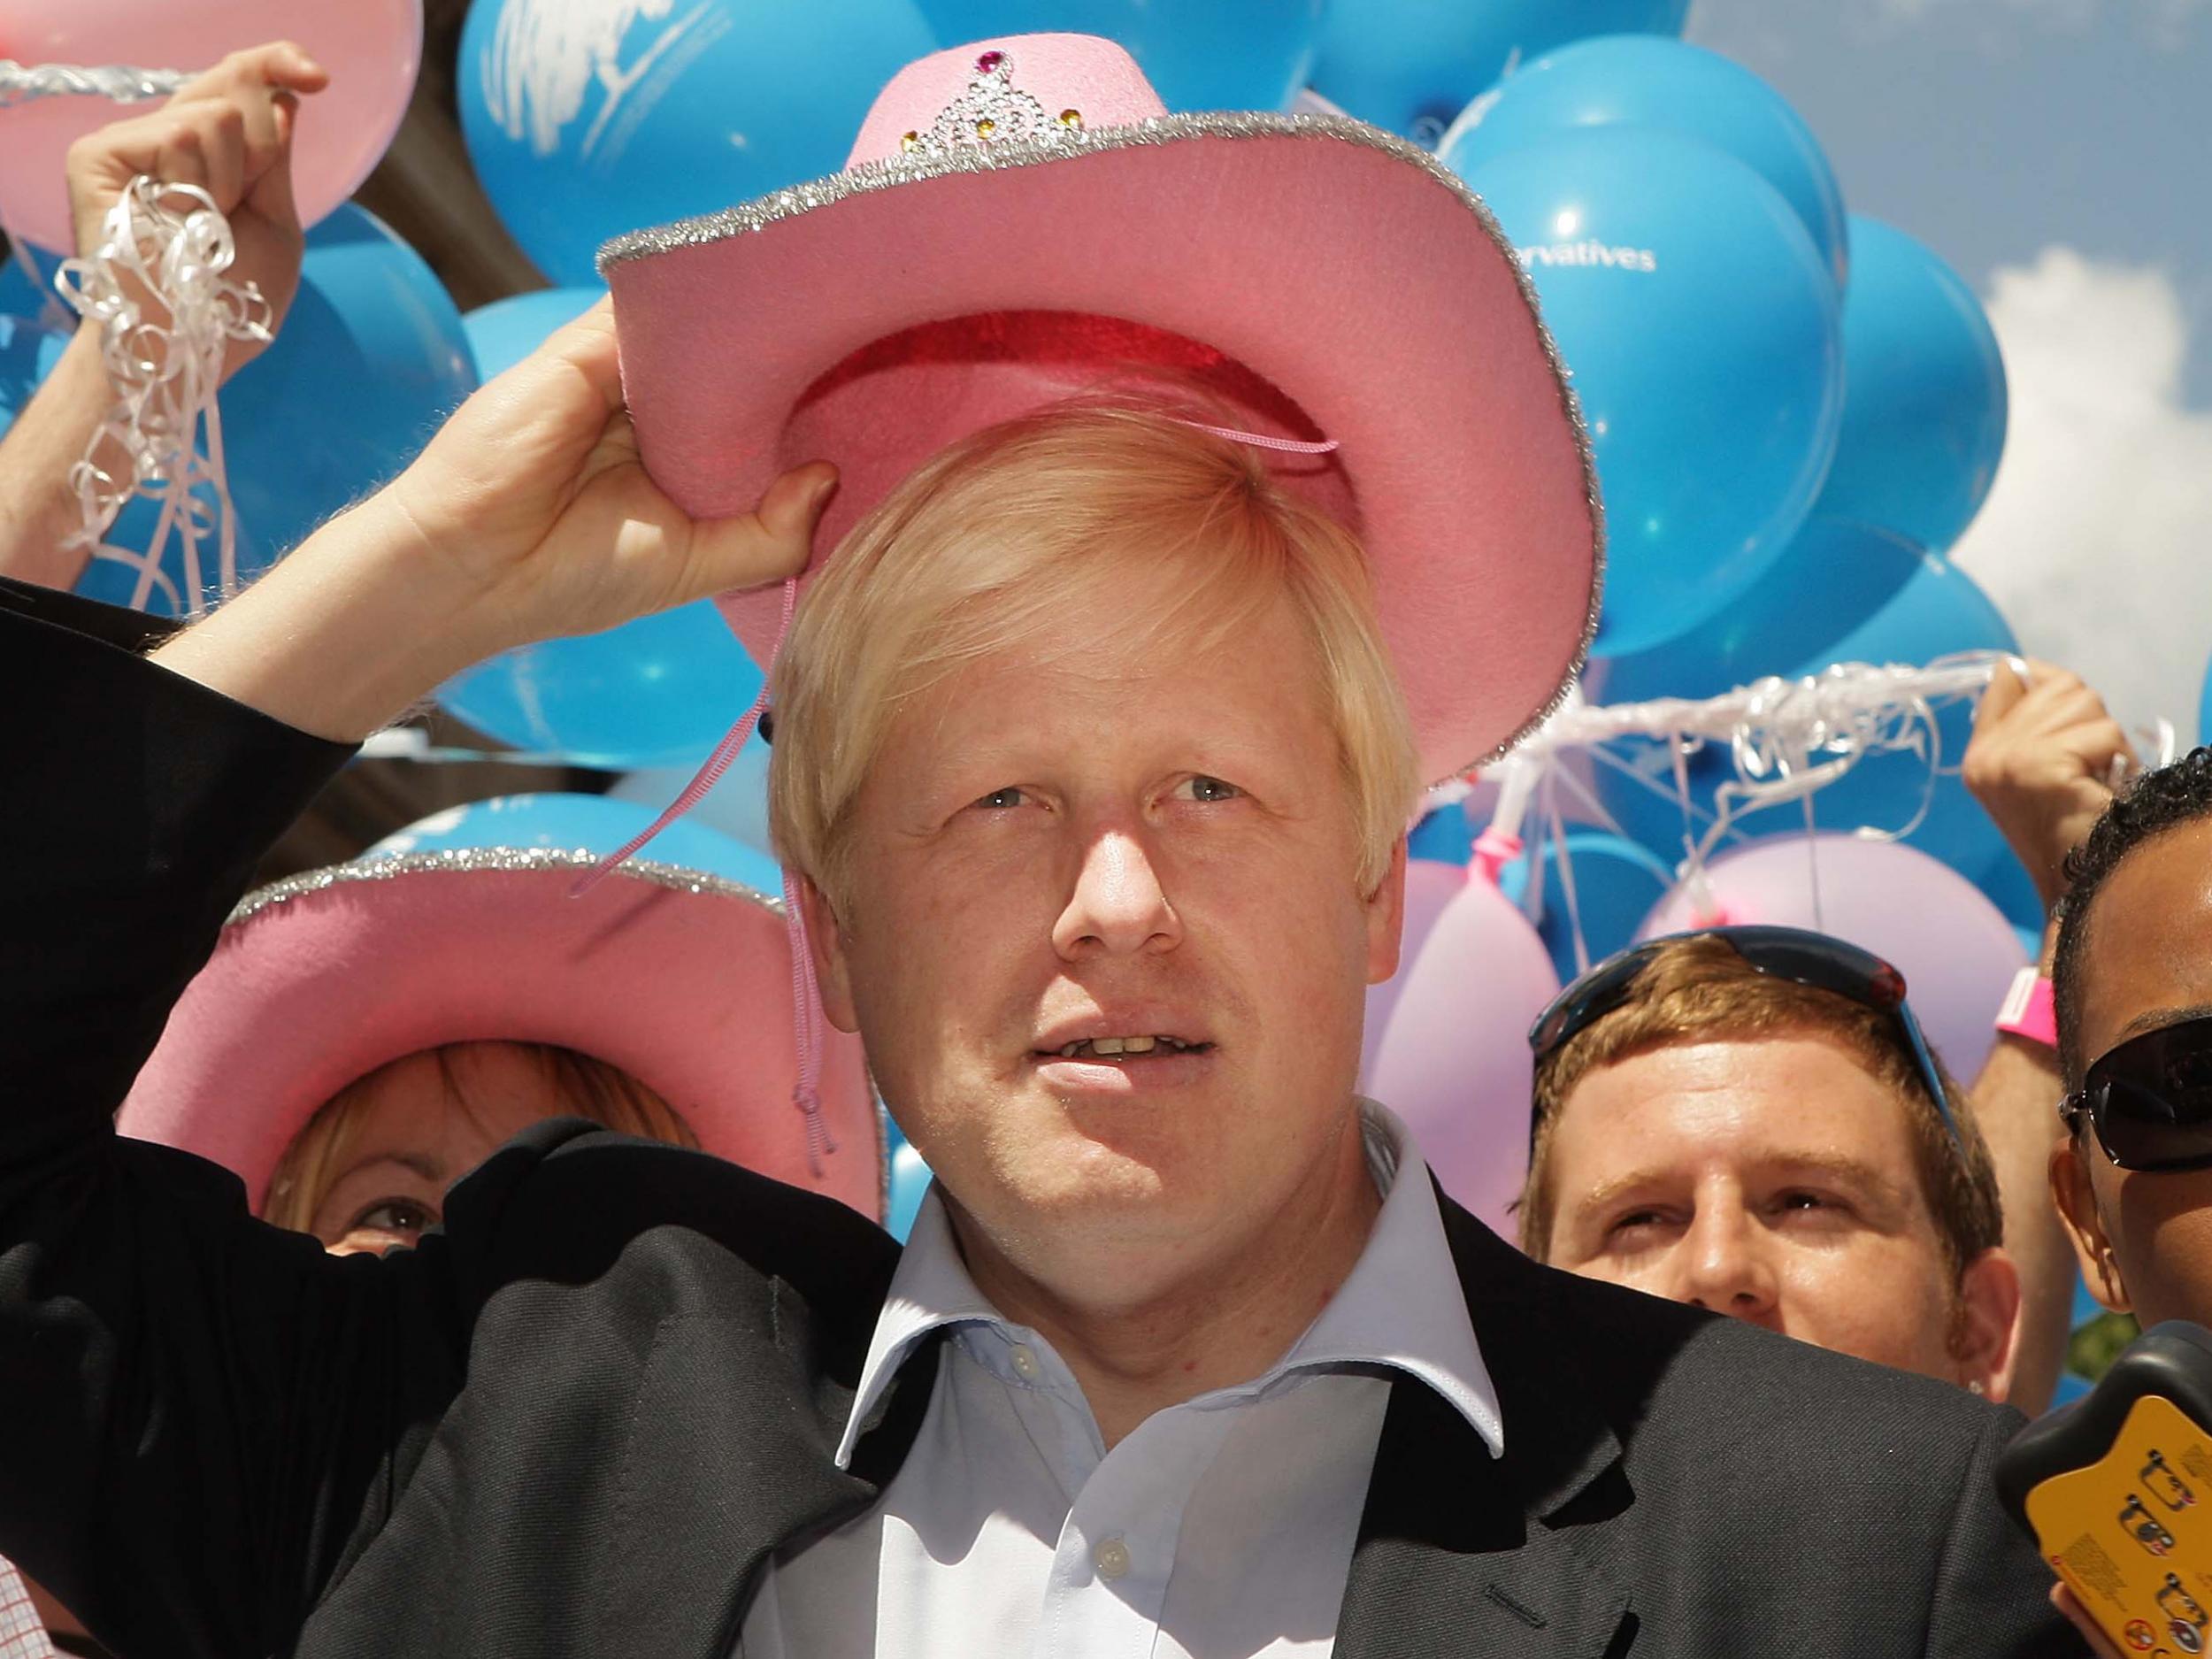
x: 1205, y: 789
x: 1002, y: 800
x: 400, y: 1215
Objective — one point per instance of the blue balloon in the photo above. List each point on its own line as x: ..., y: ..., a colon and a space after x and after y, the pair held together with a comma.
x: 28, y: 351
x: 31, y: 292
x: 582, y: 823
x: 909, y: 1184
x: 370, y: 362
x: 736, y: 806
x: 1443, y: 836
x: 1411, y: 65
x: 1701, y: 328
x: 503, y: 333
x: 657, y: 691
x: 1198, y: 53
x: 1649, y: 80
x: 1924, y: 420
x: 587, y: 121
x: 1843, y: 593
x: 1617, y: 884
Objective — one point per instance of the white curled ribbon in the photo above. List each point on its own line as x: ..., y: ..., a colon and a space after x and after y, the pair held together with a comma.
x: 167, y: 314
x: 1787, y: 740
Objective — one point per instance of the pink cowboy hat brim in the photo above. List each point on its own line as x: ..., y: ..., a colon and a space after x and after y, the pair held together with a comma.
x: 681, y: 978
x: 1356, y: 289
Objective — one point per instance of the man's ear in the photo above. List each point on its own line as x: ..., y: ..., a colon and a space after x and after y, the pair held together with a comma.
x: 1386, y: 917
x: 1987, y: 1342
x: 2077, y: 1201
x: 825, y: 942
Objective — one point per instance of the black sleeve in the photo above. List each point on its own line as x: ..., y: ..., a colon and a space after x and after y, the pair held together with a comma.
x: 198, y: 1413
x: 1991, y: 1589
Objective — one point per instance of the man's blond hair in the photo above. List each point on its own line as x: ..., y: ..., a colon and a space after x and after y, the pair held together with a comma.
x: 1097, y: 523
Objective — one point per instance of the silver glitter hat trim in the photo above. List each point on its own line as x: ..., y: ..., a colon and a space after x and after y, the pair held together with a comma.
x: 467, y: 860
x: 1070, y: 144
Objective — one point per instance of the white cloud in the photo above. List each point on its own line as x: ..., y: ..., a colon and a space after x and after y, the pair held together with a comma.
x: 2096, y: 541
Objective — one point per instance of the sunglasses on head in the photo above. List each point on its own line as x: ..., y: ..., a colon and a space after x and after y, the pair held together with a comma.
x: 1796, y: 954
x: 2150, y: 1099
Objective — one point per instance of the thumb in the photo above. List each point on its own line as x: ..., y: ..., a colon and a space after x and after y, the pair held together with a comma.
x: 2006, y: 689
x: 770, y: 543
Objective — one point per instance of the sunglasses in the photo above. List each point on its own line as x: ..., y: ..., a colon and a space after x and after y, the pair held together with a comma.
x: 2151, y: 1099
x: 1795, y: 954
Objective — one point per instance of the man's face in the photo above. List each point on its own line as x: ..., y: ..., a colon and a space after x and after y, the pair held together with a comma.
x: 1050, y: 859
x: 1772, y: 1181
x: 2145, y: 1239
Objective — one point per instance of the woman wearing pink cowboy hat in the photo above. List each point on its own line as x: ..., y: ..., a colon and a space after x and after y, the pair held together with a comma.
x: 367, y: 1034
x: 1094, y: 743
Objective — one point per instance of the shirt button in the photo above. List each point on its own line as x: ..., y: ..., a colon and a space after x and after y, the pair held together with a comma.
x: 1025, y: 1364
x: 1112, y: 1558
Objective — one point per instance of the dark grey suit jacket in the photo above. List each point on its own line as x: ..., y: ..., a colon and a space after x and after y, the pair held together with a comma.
x: 582, y: 1420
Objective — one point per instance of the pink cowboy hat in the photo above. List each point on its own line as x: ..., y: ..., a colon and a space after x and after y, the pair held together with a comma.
x: 680, y: 978
x: 1021, y: 218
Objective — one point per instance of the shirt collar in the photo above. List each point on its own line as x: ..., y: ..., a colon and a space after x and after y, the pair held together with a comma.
x: 1402, y: 1306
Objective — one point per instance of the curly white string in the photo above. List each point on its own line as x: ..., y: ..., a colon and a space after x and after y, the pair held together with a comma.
x: 166, y: 314
x: 25, y: 83
x: 1787, y: 740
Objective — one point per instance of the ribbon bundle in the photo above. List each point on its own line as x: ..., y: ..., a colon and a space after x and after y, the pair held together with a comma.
x: 167, y: 314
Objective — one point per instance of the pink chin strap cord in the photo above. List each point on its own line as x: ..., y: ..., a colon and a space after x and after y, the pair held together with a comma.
x: 806, y: 997
x: 806, y: 994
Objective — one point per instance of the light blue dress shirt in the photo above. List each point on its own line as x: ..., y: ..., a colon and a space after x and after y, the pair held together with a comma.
x: 1221, y: 1528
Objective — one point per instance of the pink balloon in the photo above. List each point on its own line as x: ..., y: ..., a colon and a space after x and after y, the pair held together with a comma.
x: 372, y: 49
x: 1956, y: 950
x: 1447, y: 1043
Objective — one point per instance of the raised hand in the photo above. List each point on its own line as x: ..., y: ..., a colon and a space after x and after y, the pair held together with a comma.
x: 529, y: 516
x: 533, y: 499
x: 230, y: 133
x: 2042, y: 762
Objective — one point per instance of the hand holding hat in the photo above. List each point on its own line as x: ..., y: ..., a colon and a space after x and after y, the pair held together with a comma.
x: 526, y: 517
x: 533, y: 496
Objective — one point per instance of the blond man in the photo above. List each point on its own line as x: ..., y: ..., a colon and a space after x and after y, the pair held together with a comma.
x: 1189, y: 1356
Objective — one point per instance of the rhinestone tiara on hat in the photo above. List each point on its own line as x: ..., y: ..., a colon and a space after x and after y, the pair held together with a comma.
x: 991, y: 110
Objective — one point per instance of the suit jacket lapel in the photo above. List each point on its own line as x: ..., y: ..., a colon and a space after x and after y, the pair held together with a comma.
x: 1462, y: 1552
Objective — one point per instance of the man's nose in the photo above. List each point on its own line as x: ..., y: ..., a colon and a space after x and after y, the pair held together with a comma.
x: 1723, y: 1265
x: 1119, y: 905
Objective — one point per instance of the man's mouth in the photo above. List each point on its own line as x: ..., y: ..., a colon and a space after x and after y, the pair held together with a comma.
x: 1123, y: 1048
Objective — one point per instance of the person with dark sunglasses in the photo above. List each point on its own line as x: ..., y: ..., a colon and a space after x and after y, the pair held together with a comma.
x: 2133, y: 983
x: 1749, y: 1119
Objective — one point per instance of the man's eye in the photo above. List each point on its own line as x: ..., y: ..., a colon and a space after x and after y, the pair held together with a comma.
x: 1002, y: 800
x: 1205, y: 789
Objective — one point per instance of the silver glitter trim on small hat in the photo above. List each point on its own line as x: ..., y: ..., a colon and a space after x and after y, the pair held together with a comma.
x: 470, y: 860
x: 1069, y: 144
x: 467, y: 860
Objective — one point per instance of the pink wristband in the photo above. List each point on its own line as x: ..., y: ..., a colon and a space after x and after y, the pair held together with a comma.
x: 2027, y: 1010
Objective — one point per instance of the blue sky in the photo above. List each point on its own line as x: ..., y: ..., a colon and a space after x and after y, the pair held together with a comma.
x: 1992, y: 128
x: 2056, y: 152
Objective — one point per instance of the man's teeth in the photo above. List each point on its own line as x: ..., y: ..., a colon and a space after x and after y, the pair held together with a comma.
x: 1104, y: 1046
